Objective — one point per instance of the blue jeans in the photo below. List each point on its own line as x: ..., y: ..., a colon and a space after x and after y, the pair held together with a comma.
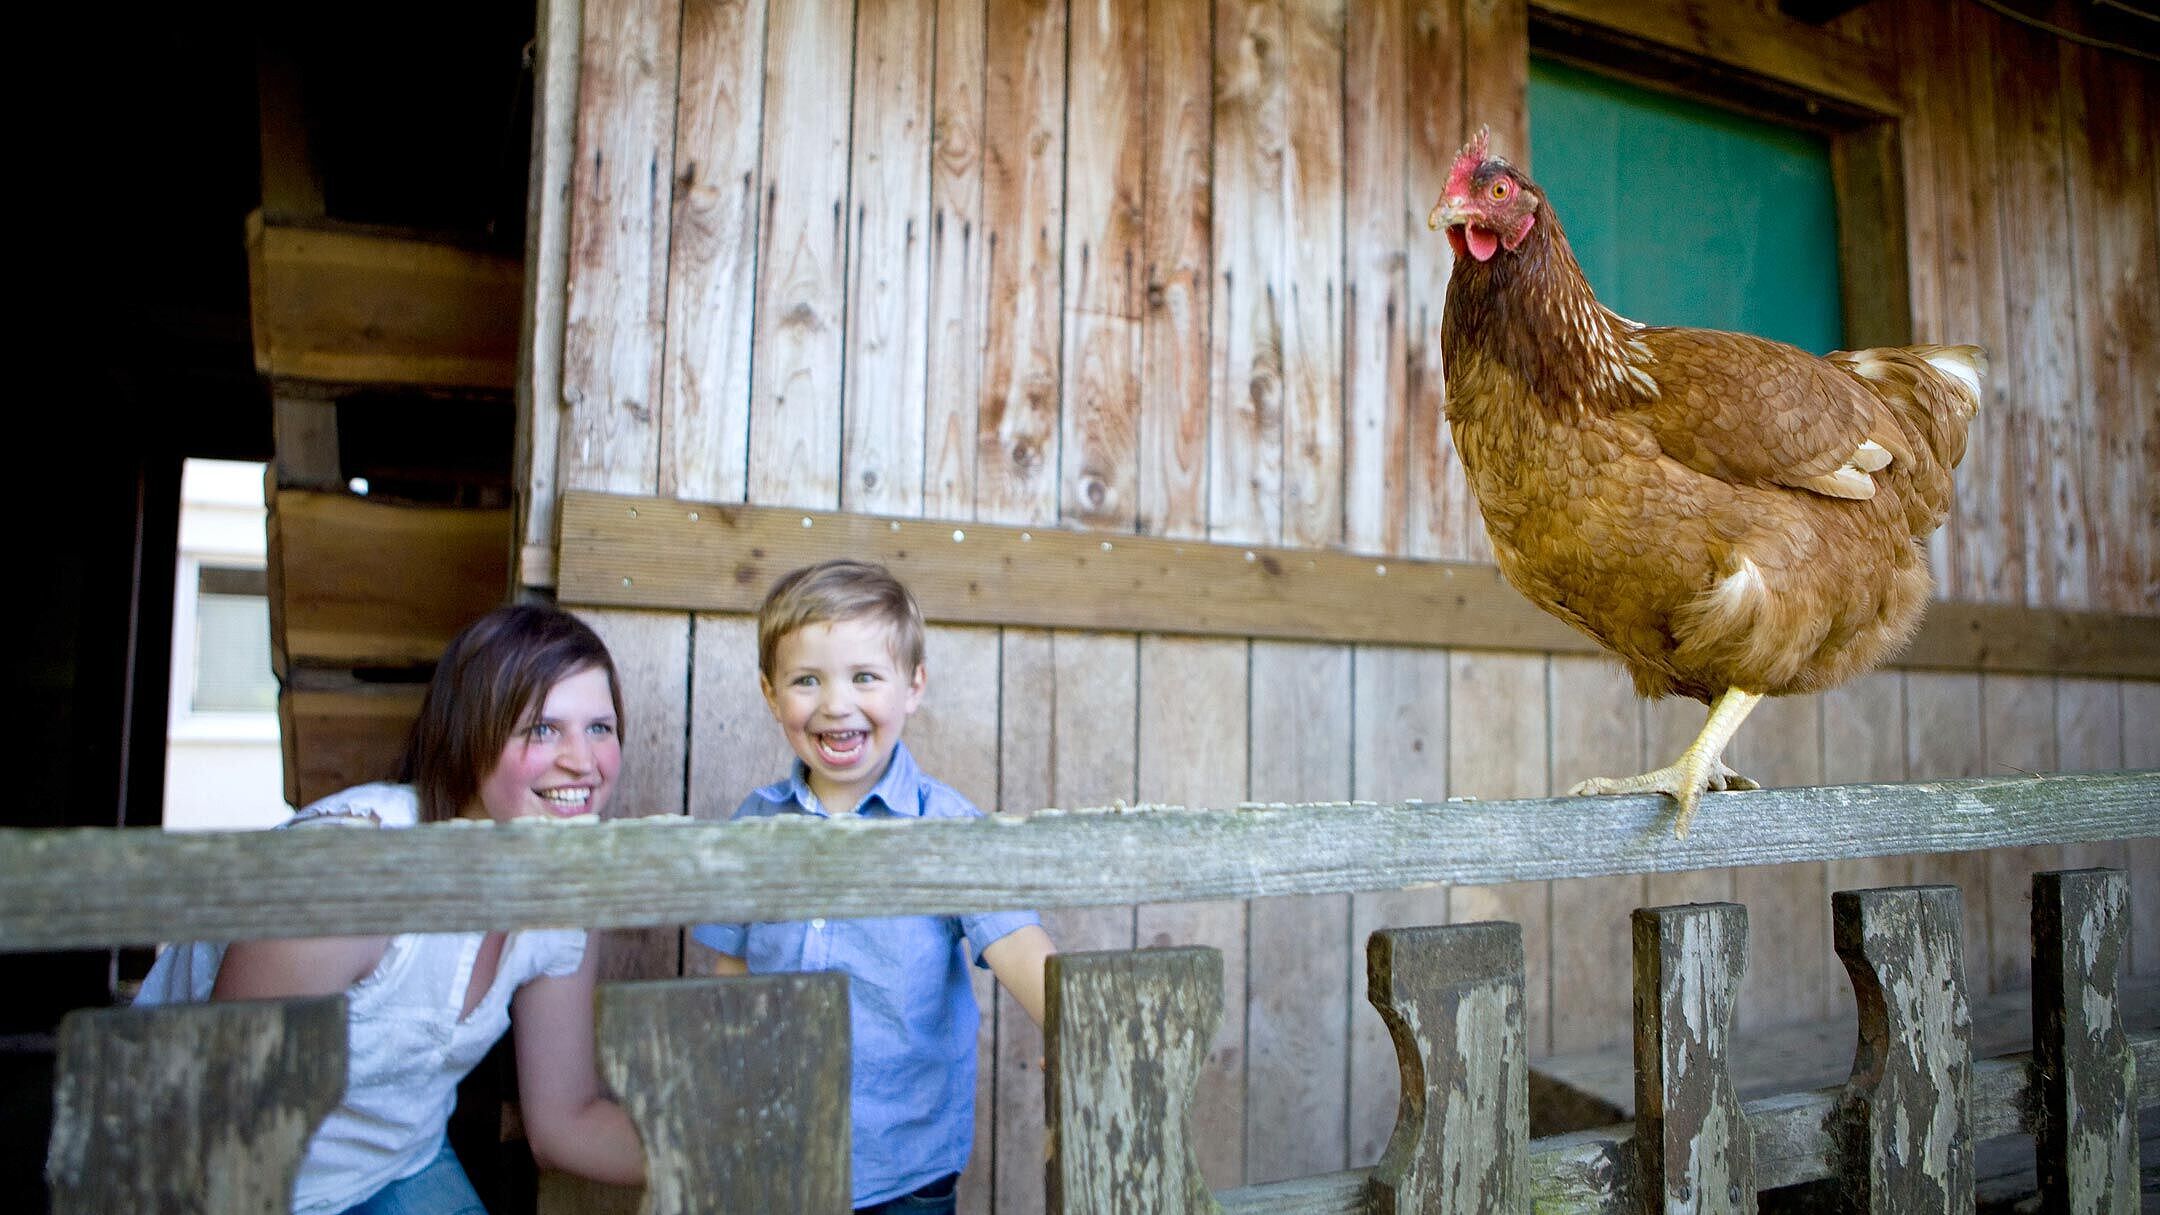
x: 937, y: 1198
x: 439, y: 1189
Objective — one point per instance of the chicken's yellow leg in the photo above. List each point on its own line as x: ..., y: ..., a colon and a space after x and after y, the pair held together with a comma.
x: 1700, y: 767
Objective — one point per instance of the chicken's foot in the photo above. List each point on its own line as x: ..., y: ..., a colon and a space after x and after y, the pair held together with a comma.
x: 1700, y: 767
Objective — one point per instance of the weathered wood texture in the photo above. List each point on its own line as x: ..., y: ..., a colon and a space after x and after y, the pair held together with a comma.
x: 1694, y: 1150
x: 2087, y: 1116
x: 1904, y: 1126
x: 1127, y: 1034
x: 1453, y: 1001
x: 658, y: 553
x: 764, y: 1125
x: 100, y: 886
x: 203, y: 1108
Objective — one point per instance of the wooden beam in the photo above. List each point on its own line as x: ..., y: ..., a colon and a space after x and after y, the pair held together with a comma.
x: 619, y: 551
x: 347, y: 306
x: 65, y: 889
x: 1793, y: 55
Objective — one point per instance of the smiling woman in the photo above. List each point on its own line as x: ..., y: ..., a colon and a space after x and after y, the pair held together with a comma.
x: 522, y: 721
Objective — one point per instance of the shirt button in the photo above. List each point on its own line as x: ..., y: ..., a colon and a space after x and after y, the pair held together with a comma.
x: 817, y: 923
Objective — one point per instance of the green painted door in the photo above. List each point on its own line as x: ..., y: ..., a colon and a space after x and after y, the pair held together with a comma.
x: 1685, y: 214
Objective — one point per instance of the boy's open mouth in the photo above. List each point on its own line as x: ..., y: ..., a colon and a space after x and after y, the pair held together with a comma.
x: 842, y: 747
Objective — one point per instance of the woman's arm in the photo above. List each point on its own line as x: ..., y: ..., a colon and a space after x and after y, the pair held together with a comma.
x: 301, y: 966
x: 570, y: 1123
x: 1017, y: 960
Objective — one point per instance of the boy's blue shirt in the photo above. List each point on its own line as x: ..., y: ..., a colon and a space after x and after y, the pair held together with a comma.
x: 911, y: 1011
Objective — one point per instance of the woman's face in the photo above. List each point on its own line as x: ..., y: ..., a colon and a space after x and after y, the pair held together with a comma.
x: 562, y: 760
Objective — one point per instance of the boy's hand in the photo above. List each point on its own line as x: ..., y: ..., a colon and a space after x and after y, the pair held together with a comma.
x: 727, y: 965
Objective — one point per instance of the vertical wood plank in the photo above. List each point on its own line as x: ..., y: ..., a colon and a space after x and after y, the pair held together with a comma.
x: 796, y: 372
x: 1067, y: 739
x: 734, y: 744
x: 616, y: 311
x: 1498, y: 735
x: 953, y: 357
x: 1016, y: 459
x: 1175, y: 353
x: 1399, y: 752
x: 1246, y: 394
x: 1192, y: 750
x: 1943, y: 724
x: 1694, y: 1150
x: 539, y: 451
x: 712, y: 253
x: 194, y: 1108
x: 2019, y: 727
x: 1788, y: 905
x: 1297, y: 1016
x: 652, y: 657
x: 1496, y: 93
x: 1128, y: 1035
x: 1864, y: 740
x: 1903, y: 1127
x: 1669, y: 725
x: 2141, y: 749
x: 2089, y: 738
x: 888, y: 268
x: 1433, y: 68
x: 2087, y: 1078
x: 1990, y: 532
x: 1104, y: 184
x: 1375, y: 147
x: 1453, y: 1002
x: 767, y: 1128
x: 1597, y: 727
x: 1312, y: 269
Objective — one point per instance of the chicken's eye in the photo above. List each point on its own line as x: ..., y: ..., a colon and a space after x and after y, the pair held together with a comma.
x: 1500, y: 190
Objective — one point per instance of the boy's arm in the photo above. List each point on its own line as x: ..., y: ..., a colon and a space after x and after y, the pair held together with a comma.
x: 1017, y: 960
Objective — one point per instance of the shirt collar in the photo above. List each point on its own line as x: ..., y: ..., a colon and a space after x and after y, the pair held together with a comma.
x: 899, y: 790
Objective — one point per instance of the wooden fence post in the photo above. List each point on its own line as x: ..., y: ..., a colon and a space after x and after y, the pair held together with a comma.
x: 1694, y: 1150
x: 1126, y: 1032
x: 2084, y: 1073
x: 1903, y: 1127
x: 1452, y: 999
x: 193, y: 1108
x: 739, y: 1088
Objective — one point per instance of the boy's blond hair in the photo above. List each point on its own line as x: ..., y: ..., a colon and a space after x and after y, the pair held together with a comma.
x: 832, y: 591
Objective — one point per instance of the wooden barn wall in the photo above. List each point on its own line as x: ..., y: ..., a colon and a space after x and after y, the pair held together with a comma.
x: 1161, y: 268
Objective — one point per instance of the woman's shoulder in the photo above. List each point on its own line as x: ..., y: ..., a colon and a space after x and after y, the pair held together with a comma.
x: 382, y: 804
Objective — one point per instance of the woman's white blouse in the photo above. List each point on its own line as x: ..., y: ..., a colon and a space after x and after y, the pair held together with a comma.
x: 408, y: 1045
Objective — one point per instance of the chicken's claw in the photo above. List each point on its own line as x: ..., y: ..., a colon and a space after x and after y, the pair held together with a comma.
x: 1681, y: 781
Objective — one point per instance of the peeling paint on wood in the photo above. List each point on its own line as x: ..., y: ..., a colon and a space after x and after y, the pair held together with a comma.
x: 1453, y: 1002
x: 198, y: 1109
x: 738, y: 1088
x: 1903, y: 1130
x: 1694, y: 1148
x: 2085, y: 1075
x: 1127, y: 1032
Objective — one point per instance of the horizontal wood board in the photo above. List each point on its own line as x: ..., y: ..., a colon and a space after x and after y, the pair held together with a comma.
x: 622, y: 551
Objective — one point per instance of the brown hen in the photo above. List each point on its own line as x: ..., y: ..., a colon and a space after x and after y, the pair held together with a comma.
x: 1733, y: 517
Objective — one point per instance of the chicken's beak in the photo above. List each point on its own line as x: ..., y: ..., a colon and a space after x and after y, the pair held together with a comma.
x: 1447, y: 213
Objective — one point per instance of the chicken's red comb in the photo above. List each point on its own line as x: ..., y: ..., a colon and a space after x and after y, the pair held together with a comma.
x: 1466, y: 163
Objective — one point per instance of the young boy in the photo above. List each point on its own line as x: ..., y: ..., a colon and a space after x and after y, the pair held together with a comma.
x: 840, y: 660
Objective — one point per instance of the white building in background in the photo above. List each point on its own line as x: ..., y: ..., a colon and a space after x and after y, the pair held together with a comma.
x: 223, y: 766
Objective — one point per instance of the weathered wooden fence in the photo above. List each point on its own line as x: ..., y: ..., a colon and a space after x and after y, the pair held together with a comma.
x: 207, y: 1108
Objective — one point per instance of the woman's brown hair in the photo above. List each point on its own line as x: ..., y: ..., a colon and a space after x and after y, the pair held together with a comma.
x: 491, y: 678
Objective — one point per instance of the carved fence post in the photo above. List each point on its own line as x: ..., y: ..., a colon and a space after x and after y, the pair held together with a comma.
x: 1453, y: 1002
x: 1903, y: 1128
x: 193, y: 1108
x: 2084, y: 1073
x: 1694, y: 1150
x: 1126, y: 1032
x: 738, y: 1087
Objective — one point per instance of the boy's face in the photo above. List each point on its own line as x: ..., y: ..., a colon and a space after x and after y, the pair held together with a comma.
x: 842, y: 700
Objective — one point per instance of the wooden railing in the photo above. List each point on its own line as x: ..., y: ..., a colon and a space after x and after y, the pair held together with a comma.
x: 207, y: 1108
